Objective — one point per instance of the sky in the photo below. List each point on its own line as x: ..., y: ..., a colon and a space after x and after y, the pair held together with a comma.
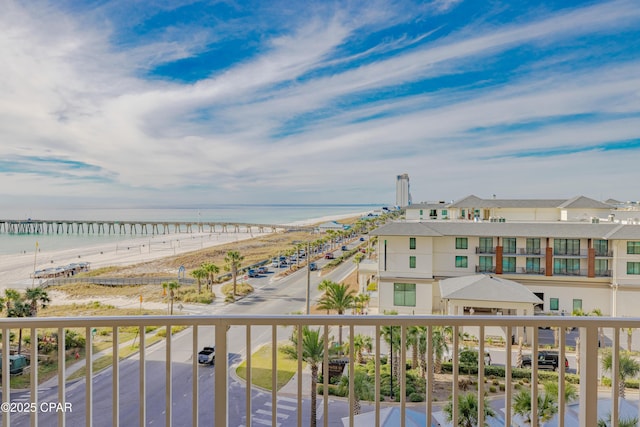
x: 199, y: 103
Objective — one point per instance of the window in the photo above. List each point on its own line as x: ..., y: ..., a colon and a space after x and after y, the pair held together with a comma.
x: 566, y: 247
x: 601, y: 247
x: 486, y: 245
x: 533, y: 265
x: 577, y: 305
x: 554, y: 304
x: 485, y: 264
x: 633, y: 268
x: 602, y: 267
x: 566, y: 266
x: 461, y: 262
x: 633, y: 247
x: 444, y: 213
x: 509, y: 265
x: 509, y: 245
x: 433, y: 213
x: 462, y: 243
x: 412, y: 262
x: 412, y: 242
x: 404, y: 294
x: 421, y: 213
x: 533, y: 246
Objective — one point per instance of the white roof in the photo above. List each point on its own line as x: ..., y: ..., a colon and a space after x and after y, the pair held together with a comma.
x: 485, y: 287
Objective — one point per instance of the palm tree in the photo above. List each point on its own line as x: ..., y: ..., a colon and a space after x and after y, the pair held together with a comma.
x: 233, y: 261
x: 337, y: 297
x: 211, y: 269
x: 547, y: 406
x: 199, y: 274
x: 628, y: 368
x: 171, y: 286
x: 357, y: 259
x: 37, y: 297
x: 392, y: 336
x: 468, y: 410
x: 361, y: 343
x: 629, y: 338
x: 362, y: 388
x: 439, y: 338
x: 17, y: 307
x: 312, y: 354
x: 622, y: 422
x: 570, y: 391
x: 415, y: 336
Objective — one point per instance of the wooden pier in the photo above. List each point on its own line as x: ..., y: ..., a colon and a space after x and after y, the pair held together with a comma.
x: 36, y: 226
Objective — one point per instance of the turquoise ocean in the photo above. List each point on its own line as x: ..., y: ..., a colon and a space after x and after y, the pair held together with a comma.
x: 257, y: 214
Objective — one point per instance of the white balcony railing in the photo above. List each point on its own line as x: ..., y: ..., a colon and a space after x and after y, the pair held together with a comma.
x: 140, y: 381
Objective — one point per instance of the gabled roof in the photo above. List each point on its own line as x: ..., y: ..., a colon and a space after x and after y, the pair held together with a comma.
x: 482, y: 287
x: 469, y: 201
x: 582, y: 202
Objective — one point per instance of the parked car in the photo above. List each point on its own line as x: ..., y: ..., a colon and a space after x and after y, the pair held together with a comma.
x: 207, y: 356
x: 546, y: 360
x: 313, y: 266
x: 344, y: 248
x: 362, y: 239
x: 275, y: 263
x: 329, y: 255
x: 263, y: 270
x: 253, y: 273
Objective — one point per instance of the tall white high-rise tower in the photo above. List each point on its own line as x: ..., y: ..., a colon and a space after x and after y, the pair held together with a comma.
x: 403, y: 195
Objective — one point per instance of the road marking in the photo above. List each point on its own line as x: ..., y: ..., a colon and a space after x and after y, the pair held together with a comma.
x: 290, y: 408
x: 288, y: 399
x: 278, y: 415
x: 263, y: 422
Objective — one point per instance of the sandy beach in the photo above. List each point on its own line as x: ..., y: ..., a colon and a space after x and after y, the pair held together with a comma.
x: 16, y: 270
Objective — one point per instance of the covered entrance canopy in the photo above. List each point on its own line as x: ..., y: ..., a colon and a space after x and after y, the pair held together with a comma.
x: 487, y: 294
x: 483, y: 291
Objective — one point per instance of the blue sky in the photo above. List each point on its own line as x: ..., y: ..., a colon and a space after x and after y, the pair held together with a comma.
x: 201, y: 103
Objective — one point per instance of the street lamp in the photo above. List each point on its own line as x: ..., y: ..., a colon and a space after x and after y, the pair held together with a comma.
x: 391, y: 371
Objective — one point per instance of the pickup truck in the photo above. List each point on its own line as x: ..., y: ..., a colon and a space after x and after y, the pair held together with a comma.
x: 546, y: 360
x: 207, y: 356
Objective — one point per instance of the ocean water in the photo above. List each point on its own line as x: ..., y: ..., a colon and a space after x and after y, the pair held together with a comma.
x: 256, y: 214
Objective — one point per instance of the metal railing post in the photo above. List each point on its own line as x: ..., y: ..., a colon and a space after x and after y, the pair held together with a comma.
x: 588, y: 376
x: 221, y: 415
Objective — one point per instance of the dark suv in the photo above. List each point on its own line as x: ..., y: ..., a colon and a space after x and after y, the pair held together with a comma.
x: 546, y: 360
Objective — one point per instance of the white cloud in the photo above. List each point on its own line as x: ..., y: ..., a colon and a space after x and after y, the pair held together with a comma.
x: 70, y: 94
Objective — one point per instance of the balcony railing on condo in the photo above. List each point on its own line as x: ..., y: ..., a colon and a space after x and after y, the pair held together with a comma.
x: 485, y: 250
x: 582, y: 253
x: 127, y: 398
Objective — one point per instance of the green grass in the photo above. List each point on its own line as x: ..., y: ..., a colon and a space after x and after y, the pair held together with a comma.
x: 261, y: 364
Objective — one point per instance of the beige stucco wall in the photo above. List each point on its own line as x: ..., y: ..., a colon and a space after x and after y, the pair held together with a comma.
x: 398, y: 253
x: 522, y: 214
x: 424, y: 298
x: 620, y: 259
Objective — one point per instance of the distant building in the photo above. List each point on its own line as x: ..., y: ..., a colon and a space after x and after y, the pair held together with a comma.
x: 403, y: 194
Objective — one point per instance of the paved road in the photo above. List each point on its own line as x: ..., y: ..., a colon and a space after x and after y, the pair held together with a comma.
x: 272, y: 296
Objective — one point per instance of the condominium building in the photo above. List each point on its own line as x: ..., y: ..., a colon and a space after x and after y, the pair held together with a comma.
x: 403, y: 194
x: 568, y: 266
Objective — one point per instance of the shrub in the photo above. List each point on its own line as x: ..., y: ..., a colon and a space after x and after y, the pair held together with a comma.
x: 492, y: 389
x: 416, y: 397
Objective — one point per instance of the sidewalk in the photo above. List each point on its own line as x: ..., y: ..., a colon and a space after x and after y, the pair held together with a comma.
x: 80, y: 363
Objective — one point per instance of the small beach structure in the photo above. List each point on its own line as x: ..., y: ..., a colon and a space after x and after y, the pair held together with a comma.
x: 61, y: 271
